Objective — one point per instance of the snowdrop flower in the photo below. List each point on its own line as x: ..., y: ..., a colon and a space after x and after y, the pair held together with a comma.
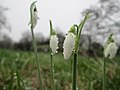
x: 68, y: 45
x: 54, y: 43
x: 110, y: 48
x: 34, y: 15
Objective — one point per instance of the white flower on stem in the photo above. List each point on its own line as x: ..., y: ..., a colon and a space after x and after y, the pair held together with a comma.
x: 111, y: 50
x: 54, y: 43
x: 35, y: 18
x: 34, y: 15
x: 68, y: 45
x: 110, y: 47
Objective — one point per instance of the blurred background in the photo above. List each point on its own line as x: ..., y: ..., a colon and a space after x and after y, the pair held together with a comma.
x: 14, y: 19
x: 16, y: 49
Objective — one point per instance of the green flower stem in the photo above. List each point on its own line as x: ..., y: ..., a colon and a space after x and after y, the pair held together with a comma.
x: 52, y: 72
x: 37, y: 60
x: 82, y: 24
x: 51, y: 58
x: 104, y: 73
x: 74, y: 72
x: 79, y: 30
x: 78, y: 34
x: 56, y: 85
x: 51, y: 28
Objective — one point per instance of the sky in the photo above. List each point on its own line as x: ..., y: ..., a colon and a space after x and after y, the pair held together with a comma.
x: 63, y: 14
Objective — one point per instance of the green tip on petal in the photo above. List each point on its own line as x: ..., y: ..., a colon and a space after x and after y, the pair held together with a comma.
x: 72, y: 29
x: 53, y: 32
x: 110, y: 39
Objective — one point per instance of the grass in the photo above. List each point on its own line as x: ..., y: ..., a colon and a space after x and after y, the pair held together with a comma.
x: 18, y: 72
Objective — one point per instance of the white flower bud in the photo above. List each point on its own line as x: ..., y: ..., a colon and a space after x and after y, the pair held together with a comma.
x: 34, y: 15
x: 68, y: 45
x: 34, y: 19
x: 111, y: 50
x: 54, y: 43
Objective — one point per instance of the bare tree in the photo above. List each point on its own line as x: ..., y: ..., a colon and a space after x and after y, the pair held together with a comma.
x: 6, y: 41
x: 104, y: 20
x: 25, y: 42
x: 3, y: 19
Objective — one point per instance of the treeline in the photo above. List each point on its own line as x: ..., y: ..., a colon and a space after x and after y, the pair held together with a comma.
x: 87, y: 46
x: 25, y: 43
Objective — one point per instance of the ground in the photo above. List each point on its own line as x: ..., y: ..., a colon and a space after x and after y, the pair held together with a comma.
x: 18, y: 71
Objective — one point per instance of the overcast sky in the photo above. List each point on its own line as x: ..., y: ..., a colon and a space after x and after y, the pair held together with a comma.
x: 63, y: 14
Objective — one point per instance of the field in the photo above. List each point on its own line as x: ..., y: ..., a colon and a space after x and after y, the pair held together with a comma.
x: 18, y: 71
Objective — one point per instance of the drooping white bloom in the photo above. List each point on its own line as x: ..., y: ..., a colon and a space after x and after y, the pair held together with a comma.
x: 111, y: 50
x: 34, y: 15
x: 68, y: 45
x: 54, y: 43
x: 35, y: 18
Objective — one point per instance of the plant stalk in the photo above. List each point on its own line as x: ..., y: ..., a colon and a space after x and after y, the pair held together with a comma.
x: 52, y: 72
x: 37, y: 60
x: 78, y: 34
x: 104, y: 73
x: 74, y: 72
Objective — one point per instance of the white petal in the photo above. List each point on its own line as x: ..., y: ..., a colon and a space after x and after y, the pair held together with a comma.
x: 111, y: 50
x: 68, y: 45
x: 54, y: 43
x: 34, y: 19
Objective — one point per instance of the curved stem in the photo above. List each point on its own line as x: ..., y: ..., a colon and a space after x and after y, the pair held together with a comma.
x: 74, y: 72
x: 104, y: 73
x: 78, y: 34
x: 77, y: 28
x: 82, y: 24
x: 52, y: 72
x: 37, y: 60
